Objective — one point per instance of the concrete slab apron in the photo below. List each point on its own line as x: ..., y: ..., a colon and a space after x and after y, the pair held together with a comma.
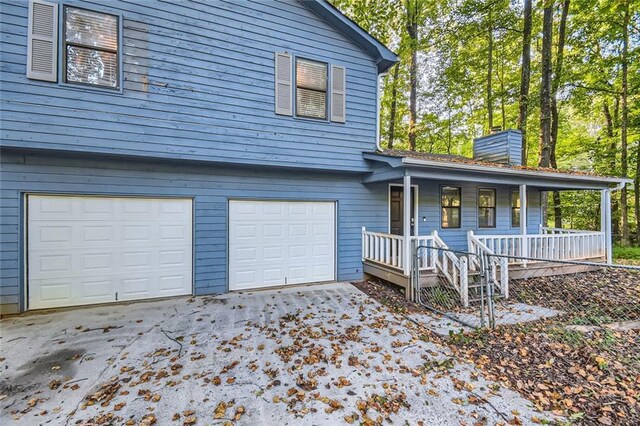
x: 305, y: 355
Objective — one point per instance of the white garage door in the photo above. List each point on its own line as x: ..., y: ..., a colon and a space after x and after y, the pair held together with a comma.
x: 273, y: 243
x: 84, y: 250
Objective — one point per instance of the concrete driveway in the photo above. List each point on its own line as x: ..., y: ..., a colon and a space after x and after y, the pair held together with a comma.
x: 324, y: 354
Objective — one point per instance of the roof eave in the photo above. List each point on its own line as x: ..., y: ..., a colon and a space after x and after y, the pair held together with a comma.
x: 384, y: 57
x: 486, y: 169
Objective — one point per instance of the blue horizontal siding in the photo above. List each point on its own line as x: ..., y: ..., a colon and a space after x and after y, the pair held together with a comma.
x: 198, y: 84
x: 358, y: 205
x: 456, y: 239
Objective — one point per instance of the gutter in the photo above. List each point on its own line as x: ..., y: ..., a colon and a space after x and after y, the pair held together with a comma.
x: 620, y: 185
x: 499, y: 170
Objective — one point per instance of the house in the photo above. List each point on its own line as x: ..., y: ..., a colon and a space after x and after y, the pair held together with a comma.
x: 155, y: 149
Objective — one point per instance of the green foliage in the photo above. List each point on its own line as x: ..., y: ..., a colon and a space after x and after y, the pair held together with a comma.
x: 626, y: 253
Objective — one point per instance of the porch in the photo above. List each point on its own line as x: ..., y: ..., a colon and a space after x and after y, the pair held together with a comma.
x: 476, y: 218
x: 506, y: 257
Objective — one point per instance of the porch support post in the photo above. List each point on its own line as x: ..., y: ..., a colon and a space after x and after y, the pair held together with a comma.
x: 406, y: 224
x: 524, y: 246
x: 605, y: 223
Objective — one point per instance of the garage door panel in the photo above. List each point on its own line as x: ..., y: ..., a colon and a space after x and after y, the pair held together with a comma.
x: 84, y: 250
x: 272, y: 243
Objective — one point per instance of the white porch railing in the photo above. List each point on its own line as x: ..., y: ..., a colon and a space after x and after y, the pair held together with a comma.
x: 492, y: 263
x: 388, y: 250
x: 552, y: 244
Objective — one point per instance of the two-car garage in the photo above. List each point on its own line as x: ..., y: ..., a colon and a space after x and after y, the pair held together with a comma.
x: 96, y: 249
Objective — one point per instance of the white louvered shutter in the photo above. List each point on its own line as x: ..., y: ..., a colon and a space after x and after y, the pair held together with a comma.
x: 338, y: 94
x: 42, y: 50
x: 284, y: 84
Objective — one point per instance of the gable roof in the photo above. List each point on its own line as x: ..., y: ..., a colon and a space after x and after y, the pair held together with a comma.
x: 384, y: 57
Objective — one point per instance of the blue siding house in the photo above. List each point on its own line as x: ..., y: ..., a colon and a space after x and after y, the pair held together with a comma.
x: 155, y: 149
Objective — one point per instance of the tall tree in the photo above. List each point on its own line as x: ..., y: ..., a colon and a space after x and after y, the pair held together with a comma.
x: 612, y: 152
x: 624, y: 149
x: 412, y: 10
x: 394, y: 106
x: 636, y: 188
x: 545, y: 86
x: 555, y: 84
x: 490, y: 71
x: 525, y: 75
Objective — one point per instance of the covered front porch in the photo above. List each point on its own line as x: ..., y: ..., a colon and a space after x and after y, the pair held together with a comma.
x: 462, y: 214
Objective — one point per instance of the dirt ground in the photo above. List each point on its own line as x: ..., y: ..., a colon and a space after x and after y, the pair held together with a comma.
x: 588, y: 377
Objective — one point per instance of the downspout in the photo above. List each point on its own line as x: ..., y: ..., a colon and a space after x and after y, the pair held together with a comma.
x: 378, y: 102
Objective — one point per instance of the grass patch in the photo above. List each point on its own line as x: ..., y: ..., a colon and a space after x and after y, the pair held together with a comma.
x: 627, y: 253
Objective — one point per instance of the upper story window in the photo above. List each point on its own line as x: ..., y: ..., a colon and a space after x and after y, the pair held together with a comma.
x: 486, y: 208
x: 311, y: 89
x: 90, y: 49
x: 451, y: 204
x: 515, y: 208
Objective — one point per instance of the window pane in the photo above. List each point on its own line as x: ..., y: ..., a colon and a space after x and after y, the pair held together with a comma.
x: 487, y: 198
x: 91, y: 28
x: 92, y: 67
x: 450, y: 217
x: 311, y: 75
x: 487, y: 218
x: 515, y: 217
x: 450, y: 197
x: 310, y: 103
x: 515, y: 198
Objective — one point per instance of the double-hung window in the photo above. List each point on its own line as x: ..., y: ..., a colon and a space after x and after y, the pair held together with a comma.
x: 515, y: 208
x: 90, y: 49
x: 311, y: 89
x: 451, y: 203
x: 486, y: 208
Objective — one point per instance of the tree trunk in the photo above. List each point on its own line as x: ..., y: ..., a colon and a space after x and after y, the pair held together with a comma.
x: 394, y: 106
x: 490, y: 74
x: 623, y: 127
x: 525, y: 75
x: 412, y: 31
x: 503, y: 110
x: 613, y: 150
x: 557, y: 76
x: 637, y: 195
x: 545, y: 87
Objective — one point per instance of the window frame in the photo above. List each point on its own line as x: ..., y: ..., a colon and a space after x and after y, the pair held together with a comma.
x: 62, y: 54
x: 442, y: 207
x: 327, y: 92
x: 515, y: 195
x: 494, y: 208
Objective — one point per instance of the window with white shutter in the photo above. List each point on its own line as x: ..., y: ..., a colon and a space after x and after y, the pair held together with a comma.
x: 283, y: 84
x: 91, y: 53
x: 338, y: 95
x: 311, y: 89
x: 42, y: 49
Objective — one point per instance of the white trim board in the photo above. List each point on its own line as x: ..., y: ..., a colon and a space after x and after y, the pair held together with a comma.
x: 416, y: 223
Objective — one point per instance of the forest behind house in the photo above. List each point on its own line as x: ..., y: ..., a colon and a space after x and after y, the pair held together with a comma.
x: 565, y: 72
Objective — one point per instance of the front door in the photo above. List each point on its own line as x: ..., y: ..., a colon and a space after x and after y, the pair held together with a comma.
x: 396, y: 210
